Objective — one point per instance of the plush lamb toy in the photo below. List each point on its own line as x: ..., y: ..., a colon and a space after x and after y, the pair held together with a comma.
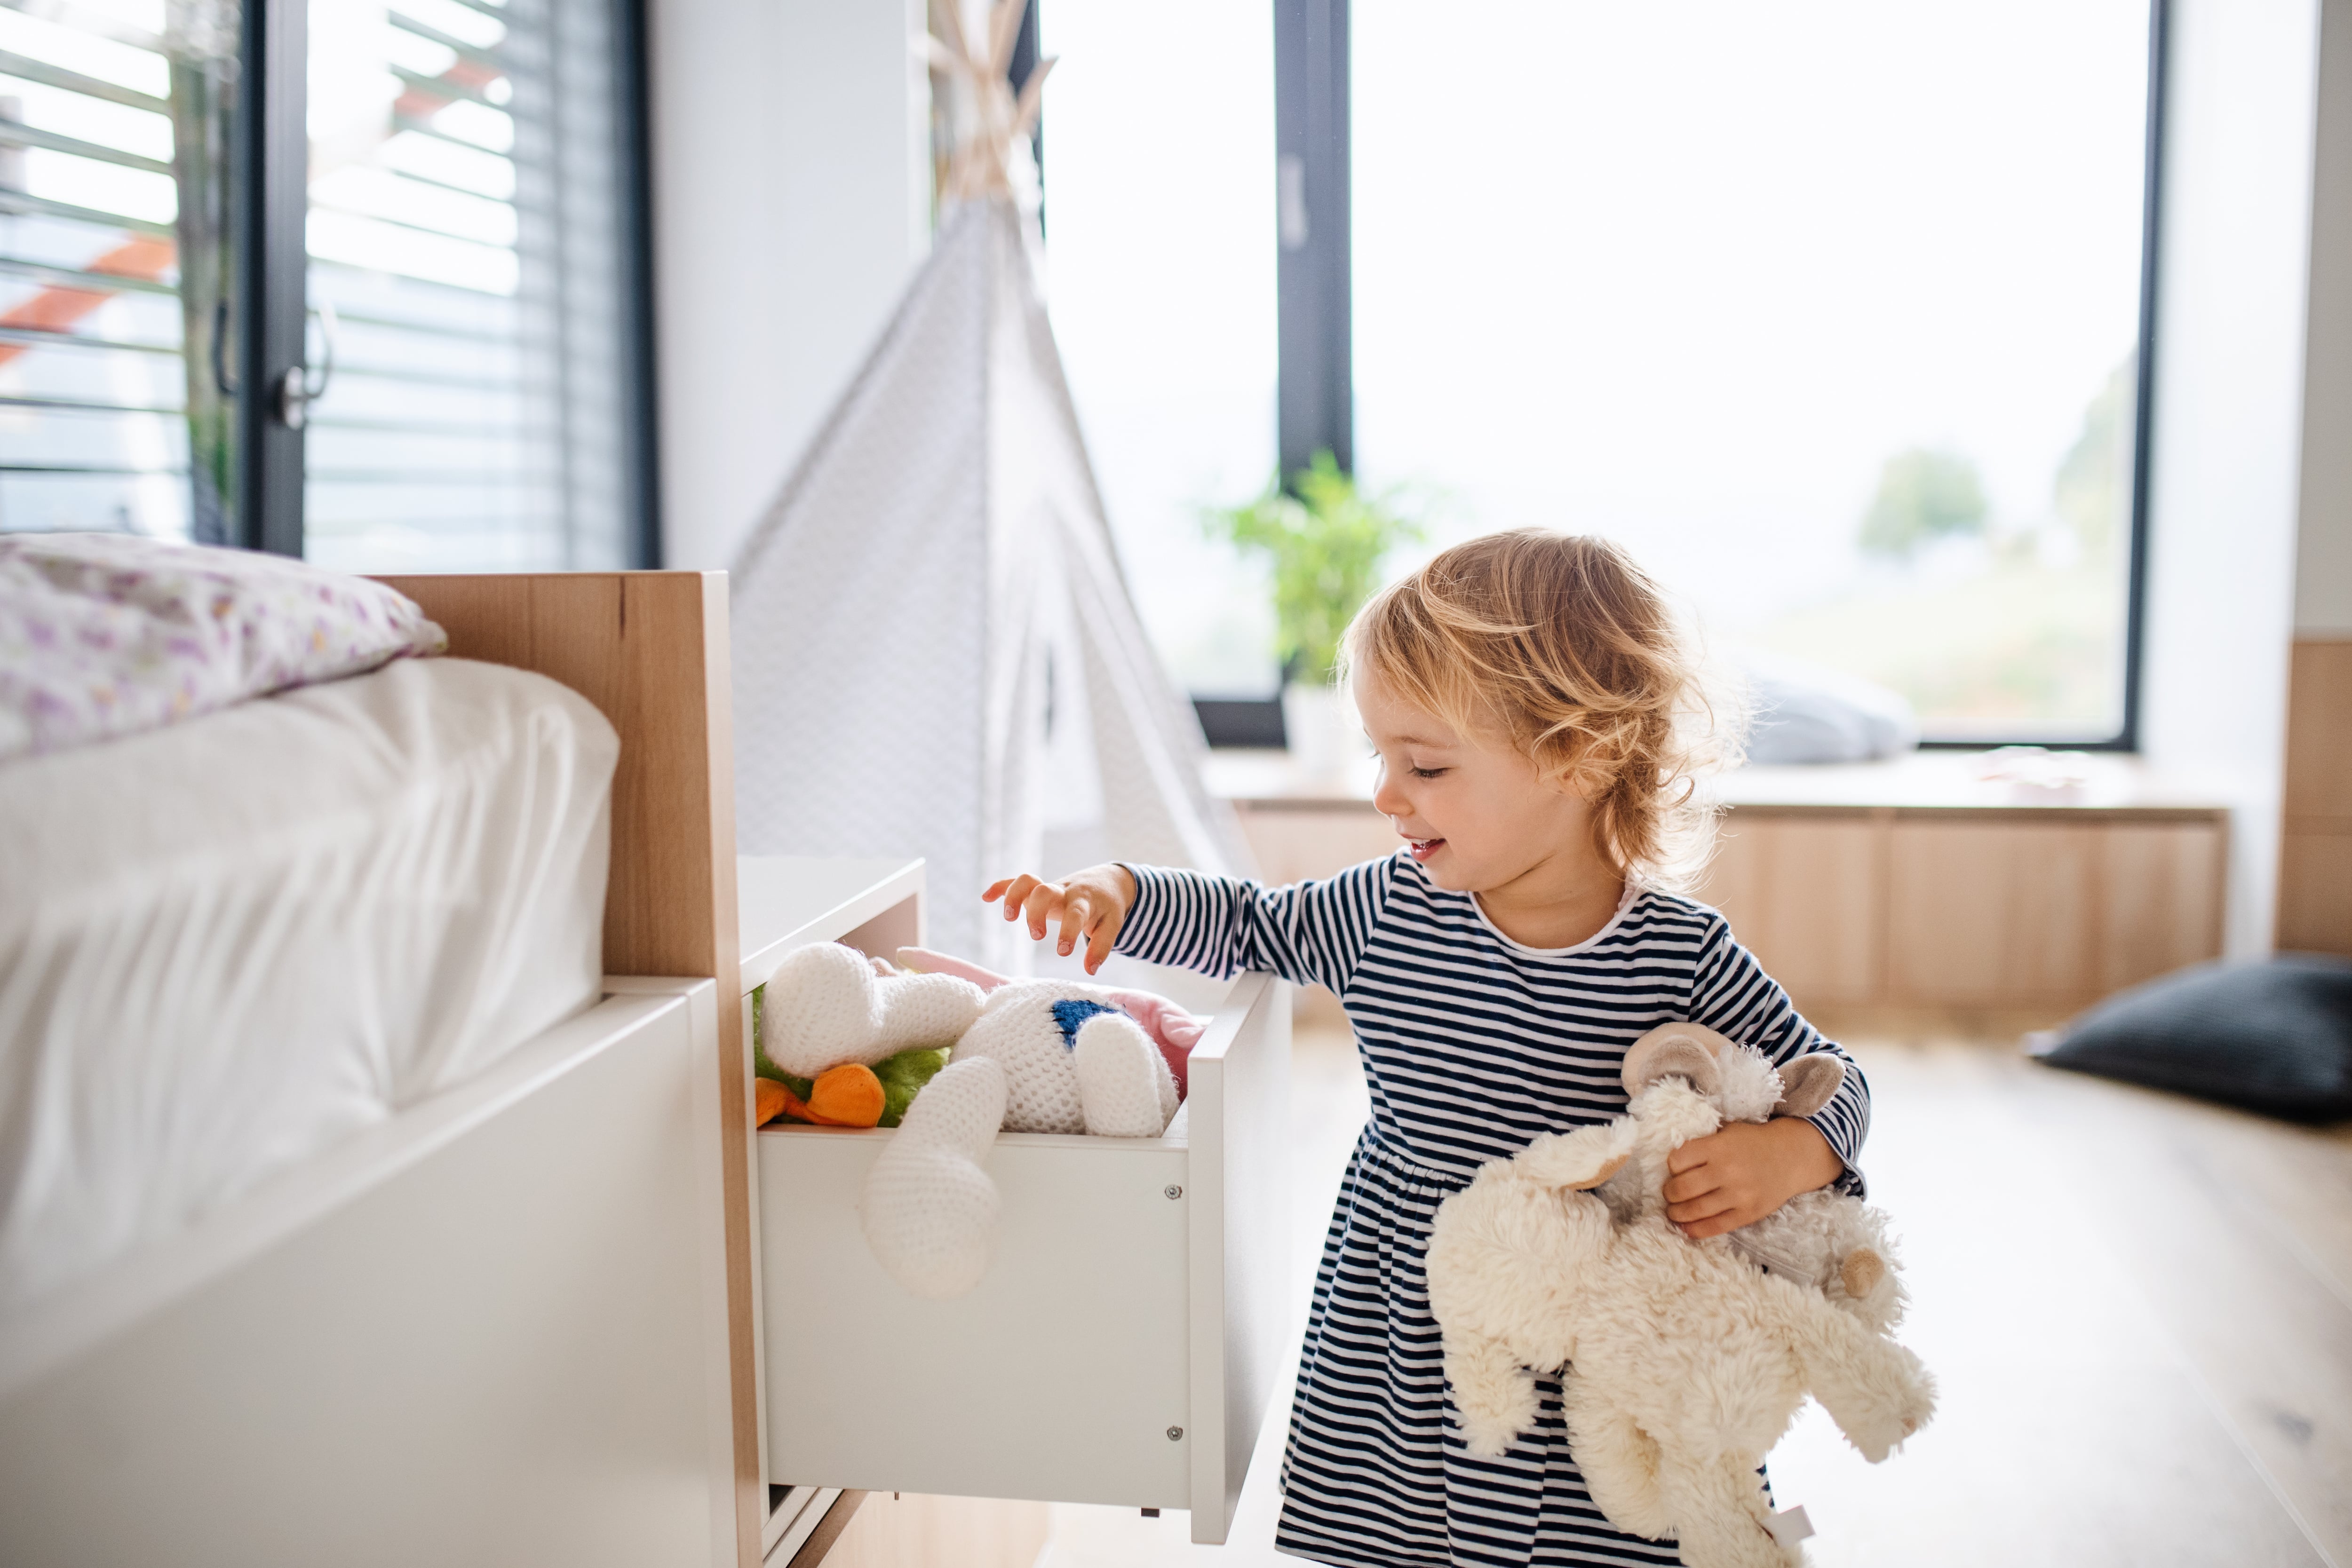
x: 1044, y: 1056
x: 1824, y: 1241
x: 1685, y: 1362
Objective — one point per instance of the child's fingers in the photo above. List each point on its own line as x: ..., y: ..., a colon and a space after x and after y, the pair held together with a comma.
x: 1044, y: 902
x: 1692, y: 1184
x: 1077, y: 913
x: 1099, y: 943
x: 1017, y: 893
x: 1684, y: 1156
x: 995, y: 890
x: 1698, y: 1208
x: 1716, y: 1225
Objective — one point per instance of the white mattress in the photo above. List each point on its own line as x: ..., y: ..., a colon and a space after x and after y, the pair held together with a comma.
x: 230, y: 943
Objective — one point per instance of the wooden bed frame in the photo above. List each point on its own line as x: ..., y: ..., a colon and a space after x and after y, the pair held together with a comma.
x: 514, y: 1323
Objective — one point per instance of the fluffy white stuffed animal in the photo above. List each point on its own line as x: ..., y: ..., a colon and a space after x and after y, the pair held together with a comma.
x: 1824, y: 1241
x: 1685, y: 1362
x: 1044, y: 1056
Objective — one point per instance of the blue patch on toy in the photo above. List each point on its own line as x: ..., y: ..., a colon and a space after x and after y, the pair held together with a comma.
x: 1070, y: 1013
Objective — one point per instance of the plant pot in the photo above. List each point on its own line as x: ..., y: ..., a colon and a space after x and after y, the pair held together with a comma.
x: 1325, y: 736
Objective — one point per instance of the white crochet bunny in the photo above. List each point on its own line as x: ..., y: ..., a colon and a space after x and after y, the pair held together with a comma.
x: 1044, y: 1056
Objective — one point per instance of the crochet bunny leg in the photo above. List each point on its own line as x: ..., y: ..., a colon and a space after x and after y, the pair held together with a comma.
x: 930, y: 1209
x: 1493, y: 1396
x: 1123, y: 1081
x: 1719, y: 1508
x: 1618, y: 1459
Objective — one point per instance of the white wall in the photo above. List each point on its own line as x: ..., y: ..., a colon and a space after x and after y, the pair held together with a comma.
x: 2228, y: 448
x: 791, y: 199
x: 2323, y: 580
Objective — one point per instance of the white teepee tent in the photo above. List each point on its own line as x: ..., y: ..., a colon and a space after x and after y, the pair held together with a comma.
x: 935, y: 652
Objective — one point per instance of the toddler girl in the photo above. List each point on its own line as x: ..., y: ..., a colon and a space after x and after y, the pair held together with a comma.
x: 1538, y: 724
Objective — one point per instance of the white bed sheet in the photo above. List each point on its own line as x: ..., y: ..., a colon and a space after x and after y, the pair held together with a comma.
x: 230, y: 943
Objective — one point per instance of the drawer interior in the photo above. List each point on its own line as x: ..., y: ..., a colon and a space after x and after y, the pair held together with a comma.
x: 1121, y: 1348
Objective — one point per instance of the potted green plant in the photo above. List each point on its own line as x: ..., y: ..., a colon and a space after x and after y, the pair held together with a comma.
x: 1324, y: 539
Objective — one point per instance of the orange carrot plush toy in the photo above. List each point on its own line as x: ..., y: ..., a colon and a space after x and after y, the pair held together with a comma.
x: 849, y: 1095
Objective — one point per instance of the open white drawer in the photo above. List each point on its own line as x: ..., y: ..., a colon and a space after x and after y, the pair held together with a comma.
x: 1123, y: 1346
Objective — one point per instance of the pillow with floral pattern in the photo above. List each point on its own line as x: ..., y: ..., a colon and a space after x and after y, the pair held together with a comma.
x: 107, y: 635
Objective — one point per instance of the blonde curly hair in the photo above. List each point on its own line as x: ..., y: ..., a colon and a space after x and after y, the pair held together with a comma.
x: 1563, y: 645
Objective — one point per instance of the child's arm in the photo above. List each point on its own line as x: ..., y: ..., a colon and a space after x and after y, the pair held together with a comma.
x: 1309, y: 933
x: 1743, y: 1173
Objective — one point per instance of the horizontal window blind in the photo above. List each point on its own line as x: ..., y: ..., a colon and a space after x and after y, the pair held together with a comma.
x: 467, y: 242
x: 115, y: 120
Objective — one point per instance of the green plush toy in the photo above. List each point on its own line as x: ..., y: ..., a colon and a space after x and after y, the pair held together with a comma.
x: 901, y: 1076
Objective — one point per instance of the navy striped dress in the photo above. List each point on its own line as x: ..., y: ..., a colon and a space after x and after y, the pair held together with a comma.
x: 1471, y: 1044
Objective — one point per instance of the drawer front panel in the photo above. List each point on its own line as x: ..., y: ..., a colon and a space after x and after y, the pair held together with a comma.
x: 1058, y: 1377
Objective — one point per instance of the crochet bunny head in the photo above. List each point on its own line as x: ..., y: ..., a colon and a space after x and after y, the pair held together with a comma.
x: 827, y: 1005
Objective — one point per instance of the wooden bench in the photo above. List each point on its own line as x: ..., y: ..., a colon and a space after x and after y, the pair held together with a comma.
x: 1905, y: 884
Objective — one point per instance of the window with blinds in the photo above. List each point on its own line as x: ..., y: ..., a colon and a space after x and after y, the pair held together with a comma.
x: 467, y: 243
x: 474, y: 298
x: 115, y: 118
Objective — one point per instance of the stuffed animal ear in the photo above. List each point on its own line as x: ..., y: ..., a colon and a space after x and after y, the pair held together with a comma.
x: 1577, y: 1161
x: 1675, y: 1051
x: 923, y: 961
x: 1809, y: 1084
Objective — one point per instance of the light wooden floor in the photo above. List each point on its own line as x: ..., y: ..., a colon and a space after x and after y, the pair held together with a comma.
x: 2139, y: 1308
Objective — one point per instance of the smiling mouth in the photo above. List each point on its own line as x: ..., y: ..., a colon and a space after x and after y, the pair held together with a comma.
x: 1424, y: 848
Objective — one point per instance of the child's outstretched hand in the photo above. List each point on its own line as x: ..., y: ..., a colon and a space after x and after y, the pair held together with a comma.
x: 1743, y: 1173
x: 1091, y: 906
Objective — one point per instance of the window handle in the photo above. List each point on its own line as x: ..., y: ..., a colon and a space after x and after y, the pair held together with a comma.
x: 221, y: 378
x: 296, y: 389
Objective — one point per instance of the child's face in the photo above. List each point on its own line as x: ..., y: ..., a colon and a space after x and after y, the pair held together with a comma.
x: 1473, y: 809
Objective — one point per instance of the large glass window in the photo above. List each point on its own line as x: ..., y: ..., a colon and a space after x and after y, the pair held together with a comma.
x: 1159, y: 239
x: 468, y: 310
x: 1828, y: 309
x: 116, y: 118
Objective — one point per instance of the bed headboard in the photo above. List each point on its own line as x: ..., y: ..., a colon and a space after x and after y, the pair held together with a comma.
x: 649, y: 649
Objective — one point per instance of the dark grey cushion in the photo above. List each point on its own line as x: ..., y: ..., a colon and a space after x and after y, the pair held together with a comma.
x: 2275, y: 1036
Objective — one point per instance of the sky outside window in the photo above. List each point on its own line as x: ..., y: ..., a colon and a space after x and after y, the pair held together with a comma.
x: 1823, y: 307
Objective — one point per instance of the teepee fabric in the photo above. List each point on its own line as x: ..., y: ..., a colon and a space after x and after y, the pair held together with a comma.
x: 934, y: 651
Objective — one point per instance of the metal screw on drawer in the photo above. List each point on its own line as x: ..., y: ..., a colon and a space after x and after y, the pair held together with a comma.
x: 1175, y: 1434
x: 1172, y: 1190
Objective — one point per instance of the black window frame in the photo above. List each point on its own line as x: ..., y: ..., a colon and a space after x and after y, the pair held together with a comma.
x: 270, y: 309
x: 1315, y: 364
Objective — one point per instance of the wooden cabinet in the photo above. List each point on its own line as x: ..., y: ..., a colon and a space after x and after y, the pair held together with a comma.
x: 1994, y: 907
x: 1809, y: 892
x: 1906, y: 884
x: 2314, y: 907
